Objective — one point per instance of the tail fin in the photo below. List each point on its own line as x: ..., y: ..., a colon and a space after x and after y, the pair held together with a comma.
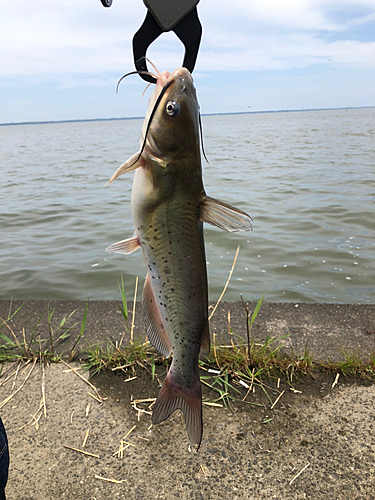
x: 173, y: 396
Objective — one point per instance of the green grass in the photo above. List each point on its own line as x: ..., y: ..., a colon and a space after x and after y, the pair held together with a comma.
x: 128, y: 357
x: 227, y: 370
x: 37, y: 343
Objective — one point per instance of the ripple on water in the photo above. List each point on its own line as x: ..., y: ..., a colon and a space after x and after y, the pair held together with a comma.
x: 307, y: 180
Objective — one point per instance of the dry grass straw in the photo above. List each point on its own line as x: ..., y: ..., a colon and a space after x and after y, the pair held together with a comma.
x: 34, y: 418
x: 9, y: 377
x: 11, y: 396
x: 226, y: 284
x: 209, y: 403
x: 12, y: 332
x: 44, y: 391
x: 123, y: 367
x: 136, y: 402
x: 83, y: 378
x: 336, y: 380
x: 109, y: 480
x: 133, y: 314
x: 85, y: 438
x: 94, y: 397
x: 81, y: 451
x: 300, y: 472
x: 42, y: 409
x: 120, y: 451
x: 276, y: 400
x: 15, y: 378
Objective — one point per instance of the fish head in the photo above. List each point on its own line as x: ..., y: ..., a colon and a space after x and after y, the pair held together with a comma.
x: 171, y: 126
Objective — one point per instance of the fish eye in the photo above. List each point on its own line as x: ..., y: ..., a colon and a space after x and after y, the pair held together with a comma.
x: 172, y: 108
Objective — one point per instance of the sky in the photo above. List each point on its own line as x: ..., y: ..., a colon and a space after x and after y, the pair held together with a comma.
x: 61, y: 59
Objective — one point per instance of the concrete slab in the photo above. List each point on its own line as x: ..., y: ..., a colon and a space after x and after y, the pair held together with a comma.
x: 326, y: 328
x: 255, y: 452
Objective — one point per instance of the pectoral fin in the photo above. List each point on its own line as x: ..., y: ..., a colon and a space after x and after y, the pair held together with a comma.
x: 224, y: 216
x: 155, y: 329
x: 125, y: 247
x: 133, y: 163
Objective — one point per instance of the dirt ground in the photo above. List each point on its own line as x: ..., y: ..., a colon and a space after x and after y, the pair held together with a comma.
x: 254, y: 453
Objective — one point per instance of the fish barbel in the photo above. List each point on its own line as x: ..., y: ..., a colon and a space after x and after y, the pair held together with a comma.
x: 169, y: 206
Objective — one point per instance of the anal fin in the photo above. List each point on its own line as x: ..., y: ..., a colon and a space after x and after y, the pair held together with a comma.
x: 155, y: 328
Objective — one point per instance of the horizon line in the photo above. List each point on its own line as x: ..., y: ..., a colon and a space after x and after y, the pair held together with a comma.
x: 204, y: 114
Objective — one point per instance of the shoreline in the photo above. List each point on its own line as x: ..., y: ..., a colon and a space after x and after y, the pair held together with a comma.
x: 296, y: 437
x: 326, y: 330
x: 45, y: 122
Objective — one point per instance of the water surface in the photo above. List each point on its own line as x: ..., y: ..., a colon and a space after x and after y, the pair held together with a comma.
x: 306, y: 178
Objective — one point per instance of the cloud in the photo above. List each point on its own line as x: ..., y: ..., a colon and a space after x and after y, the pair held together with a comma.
x: 83, y: 38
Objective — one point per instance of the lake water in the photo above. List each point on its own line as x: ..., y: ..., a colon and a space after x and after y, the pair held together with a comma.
x: 306, y: 178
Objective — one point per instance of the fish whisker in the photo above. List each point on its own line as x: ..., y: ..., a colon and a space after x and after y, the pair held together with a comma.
x: 134, y: 73
x: 201, y: 134
x: 143, y: 93
x: 152, y: 64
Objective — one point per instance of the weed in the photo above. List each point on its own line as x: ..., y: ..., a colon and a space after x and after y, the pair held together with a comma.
x: 33, y: 346
x: 226, y: 369
x: 83, y: 325
x: 110, y: 356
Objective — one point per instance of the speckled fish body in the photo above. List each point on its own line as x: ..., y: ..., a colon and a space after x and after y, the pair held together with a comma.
x: 169, y: 206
